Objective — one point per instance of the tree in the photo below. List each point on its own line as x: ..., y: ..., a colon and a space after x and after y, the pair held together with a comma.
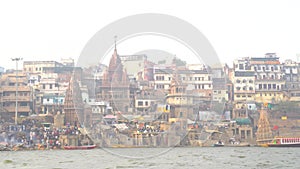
x: 286, y: 106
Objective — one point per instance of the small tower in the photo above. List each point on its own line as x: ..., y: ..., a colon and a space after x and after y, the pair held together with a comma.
x: 177, y: 98
x: 73, y: 106
x: 264, y: 133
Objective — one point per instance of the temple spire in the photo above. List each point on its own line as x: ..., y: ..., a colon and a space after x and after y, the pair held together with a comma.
x: 115, y: 42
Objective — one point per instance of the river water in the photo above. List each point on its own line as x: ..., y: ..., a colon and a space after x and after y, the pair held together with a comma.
x: 162, y: 158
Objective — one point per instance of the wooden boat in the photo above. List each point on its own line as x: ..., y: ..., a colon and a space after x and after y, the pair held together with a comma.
x: 219, y: 144
x: 85, y: 147
x: 238, y: 145
x: 285, y: 142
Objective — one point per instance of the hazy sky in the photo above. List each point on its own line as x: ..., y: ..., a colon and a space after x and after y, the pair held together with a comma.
x: 36, y: 30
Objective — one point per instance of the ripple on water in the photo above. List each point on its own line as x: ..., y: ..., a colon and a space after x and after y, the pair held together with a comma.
x: 66, y: 162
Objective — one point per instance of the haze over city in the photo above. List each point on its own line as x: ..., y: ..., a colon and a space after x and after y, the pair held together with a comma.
x: 47, y: 31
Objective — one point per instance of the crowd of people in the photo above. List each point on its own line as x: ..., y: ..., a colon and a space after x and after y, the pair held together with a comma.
x: 33, y: 134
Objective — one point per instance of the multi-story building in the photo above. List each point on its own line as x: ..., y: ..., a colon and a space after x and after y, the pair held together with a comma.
x: 292, y: 80
x: 220, y: 90
x: 259, y: 79
x: 1, y: 70
x: 138, y: 67
x: 37, y: 67
x: 8, y: 92
x: 269, y: 81
x: 198, y: 82
x: 243, y: 80
x: 222, y: 85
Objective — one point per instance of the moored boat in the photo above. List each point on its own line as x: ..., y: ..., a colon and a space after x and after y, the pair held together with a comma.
x: 285, y: 142
x: 219, y: 144
x: 238, y: 145
x: 85, y: 147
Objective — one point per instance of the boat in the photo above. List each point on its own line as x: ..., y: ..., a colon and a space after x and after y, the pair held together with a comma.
x: 238, y: 145
x: 285, y: 142
x: 219, y: 144
x: 85, y: 147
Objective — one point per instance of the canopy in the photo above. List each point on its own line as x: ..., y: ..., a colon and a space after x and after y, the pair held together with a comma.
x: 242, y: 121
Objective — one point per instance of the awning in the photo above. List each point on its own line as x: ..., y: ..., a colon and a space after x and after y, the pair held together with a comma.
x: 242, y: 121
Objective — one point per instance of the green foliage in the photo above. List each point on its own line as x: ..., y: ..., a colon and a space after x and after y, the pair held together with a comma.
x: 218, y: 107
x: 179, y: 62
x: 287, y: 106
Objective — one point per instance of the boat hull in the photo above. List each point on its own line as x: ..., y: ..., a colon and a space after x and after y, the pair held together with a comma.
x: 218, y: 145
x: 283, y: 145
x: 80, y: 147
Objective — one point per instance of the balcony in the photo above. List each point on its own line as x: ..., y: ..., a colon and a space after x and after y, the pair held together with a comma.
x: 13, y: 98
x: 20, y: 109
x: 268, y: 90
x: 269, y: 80
x: 244, y: 91
x: 13, y: 88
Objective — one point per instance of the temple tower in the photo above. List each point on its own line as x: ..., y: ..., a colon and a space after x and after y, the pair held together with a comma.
x: 73, y: 106
x: 264, y: 133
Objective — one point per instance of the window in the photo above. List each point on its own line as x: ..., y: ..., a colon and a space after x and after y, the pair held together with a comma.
x: 251, y: 88
x: 146, y: 103
x: 241, y: 66
x: 140, y: 103
x: 23, y: 104
x: 250, y: 81
x: 44, y: 86
x: 50, y: 86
